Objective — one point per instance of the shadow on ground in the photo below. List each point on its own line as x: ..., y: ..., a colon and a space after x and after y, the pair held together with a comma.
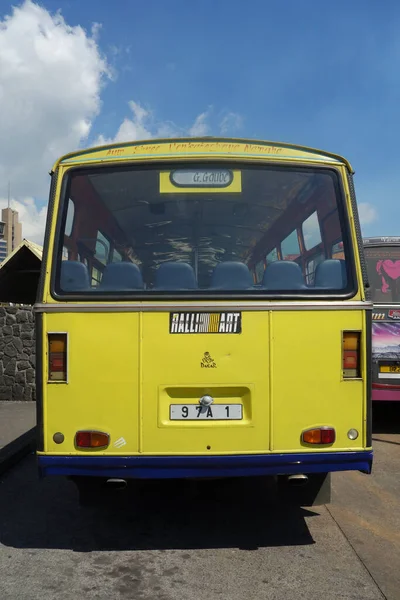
x: 386, y: 417
x: 244, y: 513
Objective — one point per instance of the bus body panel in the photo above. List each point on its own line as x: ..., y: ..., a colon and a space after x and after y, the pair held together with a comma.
x: 103, y: 379
x: 180, y: 368
x: 126, y: 369
x: 284, y: 367
x: 308, y: 386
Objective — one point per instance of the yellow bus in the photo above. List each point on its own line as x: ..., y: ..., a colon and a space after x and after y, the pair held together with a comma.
x: 201, y: 313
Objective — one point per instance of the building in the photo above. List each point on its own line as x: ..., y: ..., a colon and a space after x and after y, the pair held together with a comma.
x: 19, y: 274
x: 3, y: 243
x: 10, y: 232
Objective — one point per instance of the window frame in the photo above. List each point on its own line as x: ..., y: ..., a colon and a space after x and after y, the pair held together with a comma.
x: 311, y: 294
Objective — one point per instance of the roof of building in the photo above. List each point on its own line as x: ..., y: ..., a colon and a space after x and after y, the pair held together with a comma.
x: 20, y: 272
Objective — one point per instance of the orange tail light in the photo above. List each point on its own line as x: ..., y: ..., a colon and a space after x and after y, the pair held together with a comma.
x: 351, y: 354
x: 92, y: 439
x: 319, y: 435
x: 58, y: 357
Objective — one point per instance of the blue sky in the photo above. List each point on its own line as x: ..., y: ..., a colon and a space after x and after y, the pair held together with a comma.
x: 320, y: 74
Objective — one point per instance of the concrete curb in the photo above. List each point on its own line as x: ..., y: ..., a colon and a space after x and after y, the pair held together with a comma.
x: 16, y: 450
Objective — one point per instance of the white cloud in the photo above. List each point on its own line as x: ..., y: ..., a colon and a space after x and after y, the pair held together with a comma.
x: 142, y: 125
x: 135, y: 128
x: 230, y: 123
x: 200, y: 127
x: 51, y: 76
x: 367, y: 213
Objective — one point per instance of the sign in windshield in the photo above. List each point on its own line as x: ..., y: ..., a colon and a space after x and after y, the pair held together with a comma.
x: 209, y: 178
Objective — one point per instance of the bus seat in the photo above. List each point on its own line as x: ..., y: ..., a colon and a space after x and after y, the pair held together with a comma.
x: 121, y: 276
x: 231, y: 275
x: 175, y: 276
x: 74, y: 276
x: 331, y: 274
x: 283, y: 275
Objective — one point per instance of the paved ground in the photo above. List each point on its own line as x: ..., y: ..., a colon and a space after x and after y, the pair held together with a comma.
x: 172, y: 542
x: 15, y: 419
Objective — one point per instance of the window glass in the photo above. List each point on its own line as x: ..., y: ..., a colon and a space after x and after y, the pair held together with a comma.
x: 116, y: 256
x: 338, y: 251
x: 311, y: 266
x: 311, y: 232
x: 272, y: 256
x: 96, y: 277
x: 259, y: 271
x: 70, y: 217
x: 290, y: 247
x: 102, y: 248
x: 220, y: 221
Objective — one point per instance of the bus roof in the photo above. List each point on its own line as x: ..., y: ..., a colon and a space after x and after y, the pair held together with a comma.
x: 382, y: 241
x: 174, y: 147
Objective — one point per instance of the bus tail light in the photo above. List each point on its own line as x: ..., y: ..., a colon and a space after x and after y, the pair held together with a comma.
x: 58, y: 357
x: 92, y: 439
x: 351, y: 354
x: 319, y: 436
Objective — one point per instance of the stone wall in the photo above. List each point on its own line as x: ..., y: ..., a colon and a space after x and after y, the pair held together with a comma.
x: 17, y: 353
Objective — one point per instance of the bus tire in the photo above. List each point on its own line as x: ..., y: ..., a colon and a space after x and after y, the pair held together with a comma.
x: 316, y: 492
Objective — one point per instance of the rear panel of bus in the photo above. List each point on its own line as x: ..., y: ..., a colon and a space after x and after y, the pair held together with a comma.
x: 259, y: 338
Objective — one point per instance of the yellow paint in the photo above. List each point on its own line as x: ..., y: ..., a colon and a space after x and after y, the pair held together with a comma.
x: 194, y: 148
x: 123, y: 384
x: 125, y: 368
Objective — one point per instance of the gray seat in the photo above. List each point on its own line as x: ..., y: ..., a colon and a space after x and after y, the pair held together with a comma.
x: 283, y: 275
x: 331, y: 274
x: 175, y: 276
x: 121, y: 276
x: 74, y: 276
x: 231, y: 275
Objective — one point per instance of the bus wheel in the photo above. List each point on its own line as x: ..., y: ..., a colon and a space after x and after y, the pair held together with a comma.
x: 315, y: 492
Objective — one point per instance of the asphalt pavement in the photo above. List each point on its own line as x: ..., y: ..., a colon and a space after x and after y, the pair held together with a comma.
x: 179, y: 541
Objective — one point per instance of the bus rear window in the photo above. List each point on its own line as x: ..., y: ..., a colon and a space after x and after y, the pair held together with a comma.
x: 201, y: 230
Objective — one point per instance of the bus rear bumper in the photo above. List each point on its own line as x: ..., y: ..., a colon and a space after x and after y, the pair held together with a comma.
x: 177, y: 467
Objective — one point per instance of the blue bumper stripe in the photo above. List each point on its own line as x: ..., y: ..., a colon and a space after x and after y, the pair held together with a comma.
x: 164, y: 467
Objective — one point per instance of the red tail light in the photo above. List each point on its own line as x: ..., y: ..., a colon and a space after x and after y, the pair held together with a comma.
x: 57, y: 357
x: 319, y: 436
x: 351, y: 354
x: 92, y: 439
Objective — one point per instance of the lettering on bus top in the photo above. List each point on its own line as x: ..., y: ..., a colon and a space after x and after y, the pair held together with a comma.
x: 197, y: 147
x: 191, y: 322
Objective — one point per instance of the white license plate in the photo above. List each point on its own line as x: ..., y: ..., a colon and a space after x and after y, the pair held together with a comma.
x: 196, y: 412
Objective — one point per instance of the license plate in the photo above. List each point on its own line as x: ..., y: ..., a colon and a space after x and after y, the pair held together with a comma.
x: 389, y: 369
x: 196, y: 412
